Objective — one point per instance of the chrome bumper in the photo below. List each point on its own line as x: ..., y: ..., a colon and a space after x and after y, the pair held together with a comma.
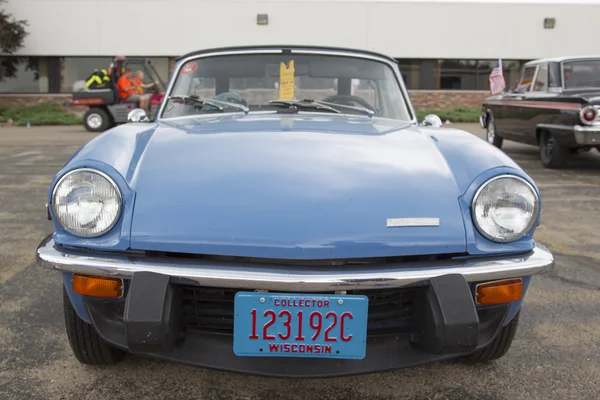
x: 292, y: 278
x: 588, y: 135
x: 483, y: 120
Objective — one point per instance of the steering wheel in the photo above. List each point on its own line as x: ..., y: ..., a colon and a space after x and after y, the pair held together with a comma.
x: 345, y: 98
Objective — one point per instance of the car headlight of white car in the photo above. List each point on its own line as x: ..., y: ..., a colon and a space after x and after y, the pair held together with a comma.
x: 86, y: 202
x: 505, y: 208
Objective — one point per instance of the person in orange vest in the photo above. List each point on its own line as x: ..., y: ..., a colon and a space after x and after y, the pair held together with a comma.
x: 139, y: 82
x: 128, y: 90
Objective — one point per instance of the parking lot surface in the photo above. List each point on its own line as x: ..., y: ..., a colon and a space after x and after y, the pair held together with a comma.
x: 555, y: 355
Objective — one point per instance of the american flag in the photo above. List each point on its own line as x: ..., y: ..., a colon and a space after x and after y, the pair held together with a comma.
x: 497, y: 82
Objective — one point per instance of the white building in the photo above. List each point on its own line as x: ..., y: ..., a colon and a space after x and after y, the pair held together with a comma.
x: 439, y: 44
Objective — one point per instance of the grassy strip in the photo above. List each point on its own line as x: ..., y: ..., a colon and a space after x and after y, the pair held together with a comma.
x: 42, y: 114
x: 52, y: 114
x: 462, y: 114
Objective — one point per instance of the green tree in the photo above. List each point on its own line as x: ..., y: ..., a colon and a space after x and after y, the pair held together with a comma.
x: 12, y: 34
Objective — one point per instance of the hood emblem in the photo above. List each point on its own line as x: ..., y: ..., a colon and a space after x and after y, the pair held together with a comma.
x: 400, y: 222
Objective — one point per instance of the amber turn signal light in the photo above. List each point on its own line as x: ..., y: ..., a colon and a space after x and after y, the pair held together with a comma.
x: 97, y: 286
x: 499, y: 292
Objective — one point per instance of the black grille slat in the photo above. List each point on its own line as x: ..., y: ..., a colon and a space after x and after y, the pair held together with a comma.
x: 377, y: 315
x: 206, y: 321
x: 212, y: 309
x: 202, y: 311
x: 363, y: 261
x: 201, y: 300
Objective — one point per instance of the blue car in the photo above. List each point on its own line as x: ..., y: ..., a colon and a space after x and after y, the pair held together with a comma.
x: 286, y: 215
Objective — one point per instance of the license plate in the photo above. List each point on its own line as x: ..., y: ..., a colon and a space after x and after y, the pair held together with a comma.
x: 300, y: 325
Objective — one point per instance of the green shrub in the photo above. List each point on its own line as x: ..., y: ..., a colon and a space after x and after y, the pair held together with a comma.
x: 42, y: 114
x: 462, y: 114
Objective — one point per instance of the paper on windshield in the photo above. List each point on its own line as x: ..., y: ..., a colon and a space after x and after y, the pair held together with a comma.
x: 286, y: 81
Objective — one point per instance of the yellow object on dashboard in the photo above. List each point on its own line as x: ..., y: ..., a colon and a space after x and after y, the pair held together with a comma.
x: 286, y: 81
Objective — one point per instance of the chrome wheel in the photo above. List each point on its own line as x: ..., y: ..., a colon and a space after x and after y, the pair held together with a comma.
x: 94, y: 121
x: 491, y: 132
x: 491, y: 136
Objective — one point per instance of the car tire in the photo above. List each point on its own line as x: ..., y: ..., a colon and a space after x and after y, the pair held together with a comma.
x: 85, y: 342
x: 552, y: 153
x: 499, y: 346
x: 491, y: 134
x: 96, y: 120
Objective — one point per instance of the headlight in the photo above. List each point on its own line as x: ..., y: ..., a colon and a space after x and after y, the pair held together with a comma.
x: 86, y: 202
x: 505, y: 208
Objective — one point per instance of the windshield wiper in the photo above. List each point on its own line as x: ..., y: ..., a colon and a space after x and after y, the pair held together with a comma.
x: 304, y: 104
x: 364, y: 110
x: 211, y: 102
x: 321, y: 105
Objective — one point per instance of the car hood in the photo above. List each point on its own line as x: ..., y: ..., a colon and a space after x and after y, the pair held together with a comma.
x: 293, y: 187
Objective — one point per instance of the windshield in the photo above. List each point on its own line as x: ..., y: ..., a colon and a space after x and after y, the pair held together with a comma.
x: 584, y: 74
x: 286, y: 83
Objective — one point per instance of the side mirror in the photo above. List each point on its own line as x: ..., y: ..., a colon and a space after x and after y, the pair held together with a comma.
x: 432, y: 120
x: 137, y: 115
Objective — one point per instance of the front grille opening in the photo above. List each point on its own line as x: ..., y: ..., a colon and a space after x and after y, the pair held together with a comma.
x: 391, y: 311
x: 307, y: 262
x: 207, y: 309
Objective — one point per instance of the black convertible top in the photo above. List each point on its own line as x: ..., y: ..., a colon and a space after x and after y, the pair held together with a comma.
x: 283, y: 48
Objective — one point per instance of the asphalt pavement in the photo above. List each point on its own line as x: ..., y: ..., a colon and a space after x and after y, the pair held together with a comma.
x: 555, y: 355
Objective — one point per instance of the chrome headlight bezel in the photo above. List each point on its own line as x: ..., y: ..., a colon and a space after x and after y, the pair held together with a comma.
x: 119, y: 198
x: 529, y: 226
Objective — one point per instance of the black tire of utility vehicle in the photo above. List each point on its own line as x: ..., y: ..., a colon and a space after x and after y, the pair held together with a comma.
x: 86, y: 344
x: 96, y: 120
x: 491, y: 135
x: 552, y: 153
x: 499, y: 346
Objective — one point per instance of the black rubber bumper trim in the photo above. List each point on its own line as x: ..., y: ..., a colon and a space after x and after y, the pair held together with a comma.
x: 454, y: 327
x: 446, y: 318
x: 152, y: 311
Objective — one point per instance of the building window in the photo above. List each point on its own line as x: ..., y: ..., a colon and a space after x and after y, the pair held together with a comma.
x: 411, y: 73
x: 161, y: 65
x: 458, y: 74
x: 472, y: 74
x: 511, y: 69
x: 24, y: 75
x: 75, y: 69
x: 58, y: 74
